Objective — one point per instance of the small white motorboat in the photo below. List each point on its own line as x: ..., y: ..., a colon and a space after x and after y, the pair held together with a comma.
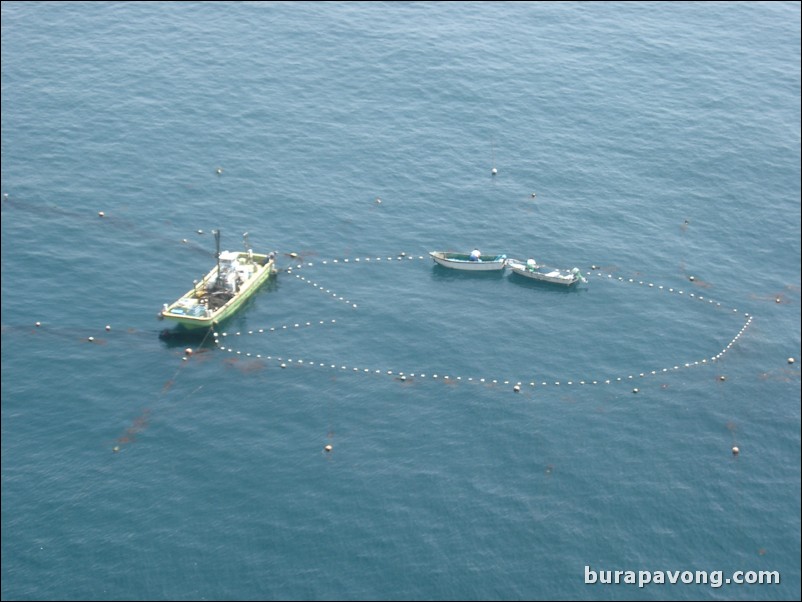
x: 531, y: 269
x: 469, y: 261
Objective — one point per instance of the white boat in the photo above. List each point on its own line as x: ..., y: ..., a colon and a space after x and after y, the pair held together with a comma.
x: 469, y: 261
x: 531, y: 269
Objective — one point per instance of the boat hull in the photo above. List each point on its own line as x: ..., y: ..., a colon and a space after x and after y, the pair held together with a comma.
x: 553, y: 276
x: 462, y: 261
x: 189, y: 313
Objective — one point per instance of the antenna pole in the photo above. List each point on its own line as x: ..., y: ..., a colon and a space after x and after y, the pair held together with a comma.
x: 217, y: 244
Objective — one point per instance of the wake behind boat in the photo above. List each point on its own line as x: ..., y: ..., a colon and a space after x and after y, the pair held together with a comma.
x: 469, y: 261
x: 235, y: 278
x: 532, y: 270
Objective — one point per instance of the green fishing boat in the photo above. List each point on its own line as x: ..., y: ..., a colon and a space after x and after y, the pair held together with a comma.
x: 221, y: 293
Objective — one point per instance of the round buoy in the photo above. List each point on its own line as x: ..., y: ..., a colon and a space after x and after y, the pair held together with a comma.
x: 494, y: 171
x: 91, y: 339
x: 778, y: 300
x: 283, y: 365
x: 634, y: 390
x: 691, y: 278
x: 101, y: 214
x: 200, y: 231
x: 108, y: 328
x: 184, y: 240
x: 516, y: 388
x: 38, y: 324
x: 534, y: 195
x: 188, y: 351
x: 219, y: 170
x: 735, y: 450
x: 378, y: 201
x: 790, y: 359
x: 722, y: 378
x: 328, y: 448
x: 115, y: 449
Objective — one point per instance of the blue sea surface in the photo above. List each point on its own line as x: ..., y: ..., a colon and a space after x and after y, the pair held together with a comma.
x: 655, y: 146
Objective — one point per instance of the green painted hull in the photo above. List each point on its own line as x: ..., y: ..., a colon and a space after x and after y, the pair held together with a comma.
x: 189, y: 314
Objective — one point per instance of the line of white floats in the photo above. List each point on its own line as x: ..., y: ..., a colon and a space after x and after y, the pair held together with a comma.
x: 222, y: 339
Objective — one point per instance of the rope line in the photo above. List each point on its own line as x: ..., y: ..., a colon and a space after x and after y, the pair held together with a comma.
x: 224, y: 342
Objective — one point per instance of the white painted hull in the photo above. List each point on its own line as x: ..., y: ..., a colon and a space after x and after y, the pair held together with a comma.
x: 455, y: 261
x: 563, y: 277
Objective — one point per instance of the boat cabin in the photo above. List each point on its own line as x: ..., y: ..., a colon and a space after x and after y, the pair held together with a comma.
x: 234, y: 270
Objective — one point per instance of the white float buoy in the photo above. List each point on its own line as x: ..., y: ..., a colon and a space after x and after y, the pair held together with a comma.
x: 188, y: 351
x: 634, y: 390
x: 101, y: 214
x: 38, y: 324
x: 790, y: 359
x: 516, y: 388
x: 328, y: 448
x: 735, y: 450
x: 91, y: 339
x: 108, y: 328
x: 534, y: 195
x: 494, y: 171
x: 219, y: 170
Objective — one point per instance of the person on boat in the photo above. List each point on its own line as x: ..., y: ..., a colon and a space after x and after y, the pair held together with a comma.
x: 476, y: 255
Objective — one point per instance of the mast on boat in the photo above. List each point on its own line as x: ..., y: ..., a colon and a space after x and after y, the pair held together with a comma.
x: 217, y: 244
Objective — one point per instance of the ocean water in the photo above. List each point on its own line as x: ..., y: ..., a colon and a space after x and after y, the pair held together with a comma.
x: 662, y: 142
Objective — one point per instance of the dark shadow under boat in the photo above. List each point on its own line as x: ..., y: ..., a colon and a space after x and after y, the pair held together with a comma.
x: 179, y: 337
